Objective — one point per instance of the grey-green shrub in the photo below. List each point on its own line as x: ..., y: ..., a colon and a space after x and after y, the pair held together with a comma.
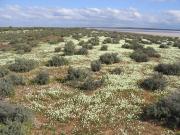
x: 42, y: 78
x: 6, y: 87
x: 69, y: 48
x: 153, y: 83
x: 109, y: 58
x: 104, y: 48
x: 57, y: 61
x: 166, y: 111
x: 96, y: 65
x: 82, y: 51
x: 3, y: 72
x: 116, y: 71
x: 16, y: 79
x: 22, y: 65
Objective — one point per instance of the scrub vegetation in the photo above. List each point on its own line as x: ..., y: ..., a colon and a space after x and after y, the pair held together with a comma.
x: 88, y: 82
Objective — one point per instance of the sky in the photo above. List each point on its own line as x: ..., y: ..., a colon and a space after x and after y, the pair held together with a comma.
x: 91, y: 13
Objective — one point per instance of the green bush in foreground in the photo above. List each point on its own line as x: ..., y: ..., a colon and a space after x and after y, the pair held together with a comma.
x: 95, y: 65
x: 82, y: 51
x: 6, y: 88
x: 12, y: 118
x: 57, y: 61
x: 3, y: 72
x: 22, y: 65
x: 168, y: 69
x: 42, y: 78
x: 154, y: 83
x: 166, y: 110
x: 109, y: 58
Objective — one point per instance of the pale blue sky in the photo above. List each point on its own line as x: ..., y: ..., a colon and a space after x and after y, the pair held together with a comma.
x: 123, y: 13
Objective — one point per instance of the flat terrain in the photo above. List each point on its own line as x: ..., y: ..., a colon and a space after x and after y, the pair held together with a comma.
x: 112, y: 109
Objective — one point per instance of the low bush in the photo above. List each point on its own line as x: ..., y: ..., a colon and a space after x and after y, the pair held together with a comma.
x: 95, y: 65
x: 6, y: 88
x: 116, y: 71
x: 57, y: 61
x: 76, y: 74
x: 16, y: 79
x: 94, y: 41
x: 151, y: 52
x: 12, y: 118
x: 42, y: 78
x: 168, y: 69
x: 107, y: 40
x: 139, y: 56
x: 91, y: 84
x: 82, y: 51
x: 57, y: 49
x: 104, y: 48
x: 3, y: 72
x: 69, y: 48
x: 109, y: 58
x: 163, y: 46
x: 154, y: 83
x: 87, y: 46
x: 166, y: 110
x: 22, y: 65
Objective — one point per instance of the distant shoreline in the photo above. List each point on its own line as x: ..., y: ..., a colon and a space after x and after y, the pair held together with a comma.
x: 147, y: 31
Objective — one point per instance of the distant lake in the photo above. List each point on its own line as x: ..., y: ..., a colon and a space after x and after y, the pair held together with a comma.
x: 171, y: 33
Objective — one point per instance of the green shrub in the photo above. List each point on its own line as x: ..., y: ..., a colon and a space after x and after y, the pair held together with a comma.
x: 104, y: 48
x: 90, y: 84
x: 13, y: 117
x: 107, y: 40
x: 22, y: 65
x: 57, y: 61
x: 163, y: 46
x: 166, y: 110
x: 42, y: 78
x: 6, y: 88
x: 3, y: 72
x: 116, y: 71
x: 127, y: 46
x: 168, y: 69
x: 16, y: 79
x: 154, y: 83
x: 151, y: 52
x: 109, y: 58
x: 13, y: 128
x: 81, y: 43
x: 96, y: 65
x: 76, y: 74
x: 139, y: 56
x: 82, y: 51
x: 69, y: 48
x: 93, y: 41
x: 57, y: 49
x: 88, y: 46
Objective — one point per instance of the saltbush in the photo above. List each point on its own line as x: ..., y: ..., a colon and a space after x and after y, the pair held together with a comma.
x: 104, y: 48
x: 109, y: 58
x: 116, y: 71
x: 57, y: 49
x: 139, y: 56
x: 153, y: 83
x: 22, y: 65
x: 76, y: 74
x: 82, y: 51
x: 3, y: 72
x: 168, y: 69
x: 16, y: 79
x: 69, y: 48
x: 95, y: 65
x: 42, y: 78
x: 57, y: 61
x: 166, y: 110
x: 6, y: 88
